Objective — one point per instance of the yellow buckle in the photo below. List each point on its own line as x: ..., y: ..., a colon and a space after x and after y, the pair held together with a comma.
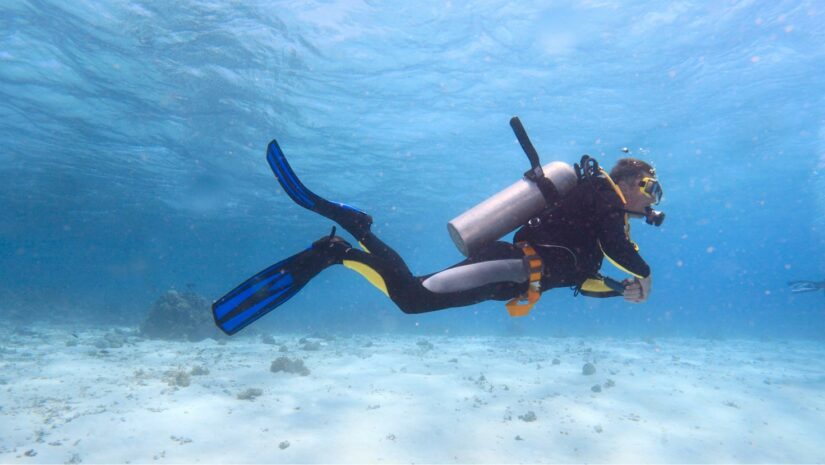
x: 521, y: 305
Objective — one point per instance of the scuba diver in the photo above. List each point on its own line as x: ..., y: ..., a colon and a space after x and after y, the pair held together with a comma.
x: 798, y: 287
x: 568, y: 220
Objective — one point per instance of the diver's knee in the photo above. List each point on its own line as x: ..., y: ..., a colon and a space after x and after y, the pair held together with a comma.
x: 411, y: 306
x: 408, y: 308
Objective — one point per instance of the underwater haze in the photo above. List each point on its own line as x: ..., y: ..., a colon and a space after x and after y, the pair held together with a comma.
x: 133, y: 162
x: 134, y: 137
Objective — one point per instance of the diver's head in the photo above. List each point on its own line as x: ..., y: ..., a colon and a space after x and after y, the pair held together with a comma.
x: 638, y: 182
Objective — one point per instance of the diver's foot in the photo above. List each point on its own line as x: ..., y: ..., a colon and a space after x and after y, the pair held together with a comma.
x: 331, y: 249
x: 354, y: 221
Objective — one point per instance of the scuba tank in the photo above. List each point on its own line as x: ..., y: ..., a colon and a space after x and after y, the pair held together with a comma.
x: 541, y: 188
x: 514, y: 206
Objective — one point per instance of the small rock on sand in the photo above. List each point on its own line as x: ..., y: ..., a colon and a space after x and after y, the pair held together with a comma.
x: 588, y: 369
x: 177, y: 378
x: 288, y: 365
x: 249, y: 394
x: 198, y: 370
x: 609, y: 383
x: 311, y: 345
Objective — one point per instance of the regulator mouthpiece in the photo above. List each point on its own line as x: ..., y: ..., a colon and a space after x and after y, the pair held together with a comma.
x: 654, y: 217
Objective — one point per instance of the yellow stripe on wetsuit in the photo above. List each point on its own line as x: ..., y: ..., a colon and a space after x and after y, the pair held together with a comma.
x: 369, y: 274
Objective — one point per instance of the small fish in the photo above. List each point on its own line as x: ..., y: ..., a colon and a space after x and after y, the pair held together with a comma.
x: 806, y: 286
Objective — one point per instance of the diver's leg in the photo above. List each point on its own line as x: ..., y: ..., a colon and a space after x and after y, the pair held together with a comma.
x: 385, y: 268
x: 379, y: 248
x: 465, y: 277
x: 466, y: 283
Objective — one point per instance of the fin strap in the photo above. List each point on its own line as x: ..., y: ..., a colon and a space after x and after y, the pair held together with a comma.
x: 521, y: 305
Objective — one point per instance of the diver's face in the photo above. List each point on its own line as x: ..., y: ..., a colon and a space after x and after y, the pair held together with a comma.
x: 636, y: 199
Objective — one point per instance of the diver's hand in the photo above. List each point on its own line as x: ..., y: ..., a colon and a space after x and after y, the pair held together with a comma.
x: 637, y: 290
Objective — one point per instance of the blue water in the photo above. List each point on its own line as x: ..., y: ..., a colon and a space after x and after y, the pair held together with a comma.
x: 134, y: 133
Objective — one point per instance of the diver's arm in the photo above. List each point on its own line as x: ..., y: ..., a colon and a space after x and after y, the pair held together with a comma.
x: 623, y: 253
x: 617, y: 246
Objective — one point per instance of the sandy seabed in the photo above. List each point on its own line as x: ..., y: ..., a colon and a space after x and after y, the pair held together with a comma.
x: 96, y: 396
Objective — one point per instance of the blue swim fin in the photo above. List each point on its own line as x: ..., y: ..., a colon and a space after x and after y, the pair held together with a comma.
x: 273, y: 286
x: 355, y: 221
x: 256, y: 297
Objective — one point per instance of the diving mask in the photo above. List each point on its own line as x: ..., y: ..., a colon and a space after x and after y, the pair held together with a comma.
x: 651, y: 188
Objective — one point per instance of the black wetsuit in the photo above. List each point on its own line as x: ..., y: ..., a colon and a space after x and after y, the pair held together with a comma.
x: 572, y: 238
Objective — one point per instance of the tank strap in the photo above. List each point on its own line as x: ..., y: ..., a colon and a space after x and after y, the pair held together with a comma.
x: 548, y: 190
x: 521, y: 305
